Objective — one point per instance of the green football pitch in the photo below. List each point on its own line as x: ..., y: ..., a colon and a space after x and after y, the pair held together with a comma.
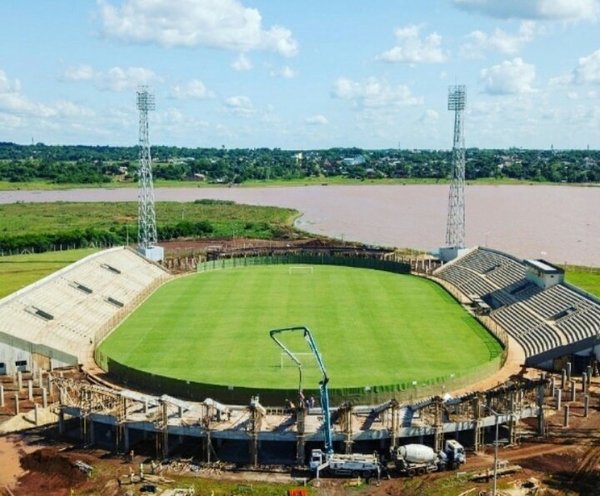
x: 372, y: 328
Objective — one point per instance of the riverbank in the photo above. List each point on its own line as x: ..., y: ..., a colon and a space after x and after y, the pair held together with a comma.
x: 279, y: 183
x: 557, y: 223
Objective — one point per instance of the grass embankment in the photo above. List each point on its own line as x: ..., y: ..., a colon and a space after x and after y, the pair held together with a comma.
x: 587, y: 279
x: 18, y: 271
x: 372, y: 328
x: 24, y: 225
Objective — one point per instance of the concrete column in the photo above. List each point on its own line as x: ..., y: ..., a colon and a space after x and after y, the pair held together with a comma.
x: 584, y: 383
x: 573, y: 391
x: 512, y: 423
x: 208, y: 446
x: 553, y: 386
x: 563, y: 378
x: 254, y: 450
x: 566, y: 419
x: 61, y: 421
x: 92, y: 429
x: 540, y: 406
x: 589, y: 373
x: 300, y: 441
x: 19, y: 380
x: 586, y: 405
x: 165, y: 432
x: 30, y: 390
x: 1, y: 396
x: 568, y: 371
x: 49, y: 386
x: 126, y: 439
x: 558, y: 398
x: 16, y: 403
x: 44, y: 398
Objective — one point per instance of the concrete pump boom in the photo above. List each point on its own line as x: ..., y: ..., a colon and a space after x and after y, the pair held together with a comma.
x: 324, y: 393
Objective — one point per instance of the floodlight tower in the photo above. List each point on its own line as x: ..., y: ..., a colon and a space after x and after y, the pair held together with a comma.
x: 146, y: 214
x: 455, y: 227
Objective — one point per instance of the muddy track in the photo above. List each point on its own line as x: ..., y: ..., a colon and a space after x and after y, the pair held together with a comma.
x: 588, y: 463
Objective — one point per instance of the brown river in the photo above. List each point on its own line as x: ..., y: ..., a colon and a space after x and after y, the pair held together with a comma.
x: 558, y: 223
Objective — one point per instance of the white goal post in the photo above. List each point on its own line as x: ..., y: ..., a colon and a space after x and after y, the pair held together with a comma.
x: 301, y: 269
x: 306, y: 359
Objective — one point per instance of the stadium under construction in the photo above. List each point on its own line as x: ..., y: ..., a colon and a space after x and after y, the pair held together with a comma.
x: 544, y: 324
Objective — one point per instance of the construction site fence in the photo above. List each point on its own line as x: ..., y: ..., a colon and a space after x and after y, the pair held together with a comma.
x: 300, y: 259
x: 234, y: 394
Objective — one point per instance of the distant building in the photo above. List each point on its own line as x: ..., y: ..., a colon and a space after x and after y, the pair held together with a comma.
x: 357, y: 160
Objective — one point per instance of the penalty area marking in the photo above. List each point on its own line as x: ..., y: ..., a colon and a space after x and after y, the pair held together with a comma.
x: 301, y: 270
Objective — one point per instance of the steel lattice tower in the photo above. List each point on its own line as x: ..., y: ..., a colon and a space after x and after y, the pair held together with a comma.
x: 455, y: 227
x: 146, y: 212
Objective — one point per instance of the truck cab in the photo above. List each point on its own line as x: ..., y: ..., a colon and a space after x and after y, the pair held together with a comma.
x: 317, y: 458
x: 455, y: 453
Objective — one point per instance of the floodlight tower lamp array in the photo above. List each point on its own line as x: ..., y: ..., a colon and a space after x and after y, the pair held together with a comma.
x: 455, y: 227
x: 146, y: 212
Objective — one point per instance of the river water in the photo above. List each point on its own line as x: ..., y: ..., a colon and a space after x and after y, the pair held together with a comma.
x: 558, y: 223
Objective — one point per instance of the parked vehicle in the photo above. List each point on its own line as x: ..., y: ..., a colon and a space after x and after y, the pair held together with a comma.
x: 418, y: 459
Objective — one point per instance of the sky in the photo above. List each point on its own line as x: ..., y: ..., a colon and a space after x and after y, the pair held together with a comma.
x: 301, y: 74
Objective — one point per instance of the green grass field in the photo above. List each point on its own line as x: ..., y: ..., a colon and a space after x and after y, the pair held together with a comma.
x: 227, y: 218
x: 586, y: 279
x: 18, y: 271
x: 372, y: 328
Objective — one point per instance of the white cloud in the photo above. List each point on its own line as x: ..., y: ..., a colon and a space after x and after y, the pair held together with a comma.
x: 566, y: 10
x: 317, y: 120
x: 586, y: 72
x: 15, y: 103
x: 224, y: 24
x: 410, y: 48
x: 242, y: 63
x: 240, y: 105
x: 115, y: 79
x: 430, y: 116
x: 498, y: 41
x: 509, y: 77
x: 374, y: 93
x: 82, y: 72
x: 588, y: 69
x: 7, y: 85
x: 119, y: 79
x: 286, y: 72
x: 65, y: 108
x: 193, y: 89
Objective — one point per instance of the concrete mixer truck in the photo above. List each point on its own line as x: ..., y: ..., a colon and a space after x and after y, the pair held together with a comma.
x: 418, y: 459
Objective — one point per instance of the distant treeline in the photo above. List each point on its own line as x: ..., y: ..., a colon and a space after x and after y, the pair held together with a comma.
x: 104, y: 164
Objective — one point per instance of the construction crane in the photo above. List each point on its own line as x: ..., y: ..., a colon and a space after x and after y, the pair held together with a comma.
x: 352, y: 464
x: 324, y: 393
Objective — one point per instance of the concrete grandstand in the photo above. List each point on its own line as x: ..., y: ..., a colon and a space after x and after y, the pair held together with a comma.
x: 529, y: 299
x: 58, y: 321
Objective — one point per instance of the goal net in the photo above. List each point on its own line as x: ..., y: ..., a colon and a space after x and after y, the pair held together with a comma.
x: 307, y: 359
x: 300, y: 269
